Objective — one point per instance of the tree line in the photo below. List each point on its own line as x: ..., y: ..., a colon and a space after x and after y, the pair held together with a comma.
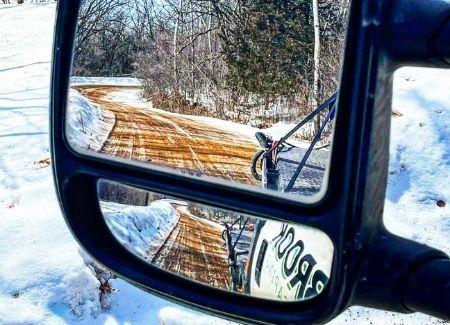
x: 252, y: 61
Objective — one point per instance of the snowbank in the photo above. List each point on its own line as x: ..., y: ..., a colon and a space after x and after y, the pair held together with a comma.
x: 43, y: 278
x: 176, y: 316
x: 88, y: 126
x: 141, y: 229
x: 105, y: 81
x: 280, y: 129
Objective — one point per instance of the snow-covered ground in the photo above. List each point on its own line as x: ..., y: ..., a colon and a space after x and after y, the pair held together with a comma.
x: 141, y: 229
x: 88, y: 126
x: 44, y: 279
x: 105, y: 81
x: 419, y: 173
x: 419, y: 164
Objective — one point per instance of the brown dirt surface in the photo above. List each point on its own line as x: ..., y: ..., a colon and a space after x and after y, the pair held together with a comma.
x: 195, y: 249
x: 171, y: 140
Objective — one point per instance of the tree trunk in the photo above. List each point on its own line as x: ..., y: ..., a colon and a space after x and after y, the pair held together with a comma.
x: 175, y: 49
x: 192, y: 42
x: 315, y: 97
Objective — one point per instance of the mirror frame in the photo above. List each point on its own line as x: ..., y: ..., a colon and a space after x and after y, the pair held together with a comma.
x: 350, y: 212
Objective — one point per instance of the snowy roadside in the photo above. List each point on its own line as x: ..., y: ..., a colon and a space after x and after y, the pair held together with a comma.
x: 141, y: 229
x: 43, y: 278
x: 419, y: 172
x: 88, y: 125
x: 104, y: 81
x: 419, y: 164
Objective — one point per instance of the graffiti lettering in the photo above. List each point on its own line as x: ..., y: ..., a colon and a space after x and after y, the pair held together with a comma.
x: 307, y: 279
x: 296, y: 249
x: 304, y: 270
x: 318, y: 282
x: 282, y: 247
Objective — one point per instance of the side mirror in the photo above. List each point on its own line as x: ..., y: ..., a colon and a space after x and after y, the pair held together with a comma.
x: 162, y: 180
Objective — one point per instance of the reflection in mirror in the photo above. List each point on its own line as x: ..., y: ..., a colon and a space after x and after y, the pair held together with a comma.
x: 226, y: 89
x: 240, y: 253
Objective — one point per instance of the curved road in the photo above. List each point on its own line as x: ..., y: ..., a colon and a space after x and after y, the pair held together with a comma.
x: 195, y: 247
x: 173, y: 140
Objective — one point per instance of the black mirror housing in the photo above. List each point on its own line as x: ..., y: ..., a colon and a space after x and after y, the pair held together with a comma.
x: 350, y: 212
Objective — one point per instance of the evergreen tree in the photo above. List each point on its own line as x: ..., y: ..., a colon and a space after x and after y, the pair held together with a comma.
x: 267, y: 45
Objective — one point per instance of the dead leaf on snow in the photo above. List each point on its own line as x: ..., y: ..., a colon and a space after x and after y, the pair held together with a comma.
x: 45, y: 162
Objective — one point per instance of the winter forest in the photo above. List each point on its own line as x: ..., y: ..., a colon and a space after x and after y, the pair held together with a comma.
x: 251, y: 61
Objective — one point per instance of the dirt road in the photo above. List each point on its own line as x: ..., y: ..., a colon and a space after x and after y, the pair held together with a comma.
x: 173, y: 140
x: 195, y: 247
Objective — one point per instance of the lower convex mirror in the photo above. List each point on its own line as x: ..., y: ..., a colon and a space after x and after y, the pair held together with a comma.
x: 224, y: 249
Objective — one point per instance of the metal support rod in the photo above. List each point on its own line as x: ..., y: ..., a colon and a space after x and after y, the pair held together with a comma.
x: 240, y: 233
x: 329, y: 102
x: 308, y: 152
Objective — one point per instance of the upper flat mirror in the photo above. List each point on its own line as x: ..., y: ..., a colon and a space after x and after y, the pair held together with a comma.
x: 219, y: 89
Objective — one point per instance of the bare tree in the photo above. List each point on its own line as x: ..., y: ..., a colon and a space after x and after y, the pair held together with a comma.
x: 244, y: 60
x: 316, y: 68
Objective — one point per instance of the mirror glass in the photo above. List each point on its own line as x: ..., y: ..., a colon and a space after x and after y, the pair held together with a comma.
x: 230, y: 251
x: 242, y: 91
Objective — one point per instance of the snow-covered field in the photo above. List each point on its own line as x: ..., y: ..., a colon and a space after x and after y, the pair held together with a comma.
x: 105, y: 81
x: 419, y: 164
x: 43, y: 277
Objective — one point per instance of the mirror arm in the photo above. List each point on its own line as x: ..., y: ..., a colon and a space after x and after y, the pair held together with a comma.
x: 427, y: 289
x: 404, y: 276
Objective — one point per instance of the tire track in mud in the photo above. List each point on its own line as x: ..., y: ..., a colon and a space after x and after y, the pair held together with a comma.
x: 172, y: 140
x: 194, y: 248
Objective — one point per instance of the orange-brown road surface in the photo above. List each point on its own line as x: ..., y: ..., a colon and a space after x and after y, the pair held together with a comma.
x: 173, y: 140
x: 194, y: 248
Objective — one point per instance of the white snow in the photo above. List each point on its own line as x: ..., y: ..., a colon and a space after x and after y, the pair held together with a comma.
x: 105, y: 81
x: 88, y: 125
x: 44, y: 279
x: 141, y: 229
x: 420, y: 158
x: 175, y: 316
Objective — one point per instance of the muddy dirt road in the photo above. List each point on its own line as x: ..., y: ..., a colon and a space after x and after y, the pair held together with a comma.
x: 195, y: 247
x: 173, y: 140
